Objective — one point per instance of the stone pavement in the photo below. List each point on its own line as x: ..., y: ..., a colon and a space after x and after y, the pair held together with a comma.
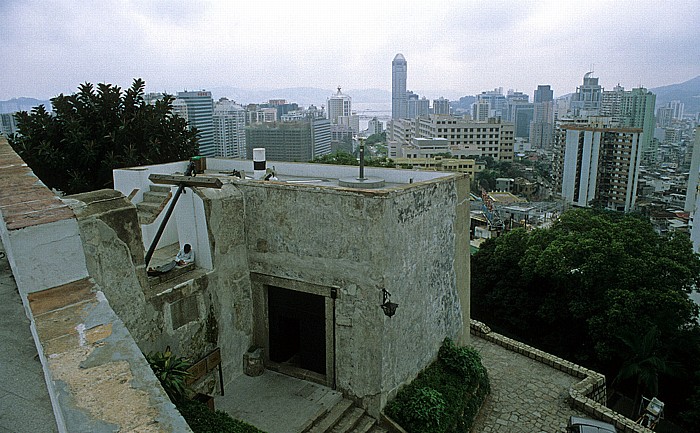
x: 276, y: 403
x: 25, y: 406
x: 526, y: 396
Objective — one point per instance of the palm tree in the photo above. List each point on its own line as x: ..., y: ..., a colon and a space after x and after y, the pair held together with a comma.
x: 644, y: 364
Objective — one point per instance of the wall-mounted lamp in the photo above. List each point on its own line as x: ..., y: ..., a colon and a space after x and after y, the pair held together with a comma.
x: 388, y: 307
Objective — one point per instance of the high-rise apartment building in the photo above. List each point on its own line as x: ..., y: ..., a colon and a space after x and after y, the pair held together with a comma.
x: 375, y: 126
x: 229, y: 129
x: 399, y: 73
x: 417, y: 106
x: 635, y: 109
x: 200, y: 115
x: 441, y: 106
x: 597, y: 163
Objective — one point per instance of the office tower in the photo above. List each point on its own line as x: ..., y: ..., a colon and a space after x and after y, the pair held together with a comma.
x: 543, y: 94
x: 339, y: 104
x: 399, y: 69
x: 542, y: 126
x: 200, y: 111
x: 441, y: 106
x: 586, y: 101
x: 597, y: 164
x: 229, y: 129
x: 521, y: 116
x: 496, y: 101
x: 664, y: 117
x: 513, y: 99
x: 296, y: 141
x: 320, y: 135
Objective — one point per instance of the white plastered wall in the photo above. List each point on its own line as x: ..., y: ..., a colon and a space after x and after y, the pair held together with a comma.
x: 192, y: 227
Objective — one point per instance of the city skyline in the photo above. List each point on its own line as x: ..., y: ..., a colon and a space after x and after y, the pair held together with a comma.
x: 453, y: 48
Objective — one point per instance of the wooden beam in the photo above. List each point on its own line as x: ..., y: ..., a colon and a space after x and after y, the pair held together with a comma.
x: 175, y: 179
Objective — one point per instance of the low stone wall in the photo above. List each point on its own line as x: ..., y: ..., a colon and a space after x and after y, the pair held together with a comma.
x: 588, y: 395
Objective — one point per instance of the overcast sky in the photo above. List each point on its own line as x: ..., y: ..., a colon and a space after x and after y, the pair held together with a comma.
x: 453, y: 48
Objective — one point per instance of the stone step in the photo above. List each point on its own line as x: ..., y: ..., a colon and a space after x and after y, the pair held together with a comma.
x: 148, y: 207
x: 155, y: 197
x: 348, y: 421
x: 159, y: 188
x: 377, y: 429
x: 331, y: 417
x: 365, y: 423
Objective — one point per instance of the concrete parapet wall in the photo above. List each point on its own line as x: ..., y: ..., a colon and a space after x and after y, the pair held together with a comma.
x: 587, y: 395
x: 97, y: 378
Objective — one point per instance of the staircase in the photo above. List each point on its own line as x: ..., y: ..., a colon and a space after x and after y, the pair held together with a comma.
x: 345, y: 417
x: 153, y: 203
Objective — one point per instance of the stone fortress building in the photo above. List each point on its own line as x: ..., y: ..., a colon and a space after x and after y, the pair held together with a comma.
x: 297, y: 266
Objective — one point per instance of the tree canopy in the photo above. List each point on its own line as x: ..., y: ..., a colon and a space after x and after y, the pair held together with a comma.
x: 344, y: 158
x: 90, y: 133
x: 582, y: 288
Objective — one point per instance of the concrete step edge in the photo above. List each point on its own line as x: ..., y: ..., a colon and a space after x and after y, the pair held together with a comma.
x: 331, y: 417
x: 364, y: 424
x: 349, y: 420
x: 159, y: 188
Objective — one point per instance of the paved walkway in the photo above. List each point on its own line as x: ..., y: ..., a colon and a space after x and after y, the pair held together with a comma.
x: 526, y: 396
x: 24, y: 401
x: 276, y: 403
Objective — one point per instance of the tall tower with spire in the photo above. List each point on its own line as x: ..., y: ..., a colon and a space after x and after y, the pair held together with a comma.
x: 399, y: 102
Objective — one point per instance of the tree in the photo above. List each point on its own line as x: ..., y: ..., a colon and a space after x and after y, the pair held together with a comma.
x: 595, y: 276
x: 96, y: 130
x: 344, y: 158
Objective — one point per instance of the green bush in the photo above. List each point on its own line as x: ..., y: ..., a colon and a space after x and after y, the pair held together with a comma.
x: 202, y: 420
x: 446, y: 396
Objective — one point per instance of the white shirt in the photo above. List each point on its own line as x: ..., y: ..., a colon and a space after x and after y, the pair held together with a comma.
x: 185, y: 257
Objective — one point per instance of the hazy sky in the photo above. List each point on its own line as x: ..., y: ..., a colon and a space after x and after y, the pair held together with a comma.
x: 453, y: 48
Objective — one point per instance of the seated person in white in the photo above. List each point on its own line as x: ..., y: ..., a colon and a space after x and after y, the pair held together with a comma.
x: 185, y: 256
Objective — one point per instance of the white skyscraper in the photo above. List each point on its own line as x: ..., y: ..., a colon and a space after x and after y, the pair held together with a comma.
x: 399, y: 73
x: 229, y: 129
x: 339, y: 104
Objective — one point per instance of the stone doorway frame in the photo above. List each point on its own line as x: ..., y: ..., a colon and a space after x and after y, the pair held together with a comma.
x: 261, y: 323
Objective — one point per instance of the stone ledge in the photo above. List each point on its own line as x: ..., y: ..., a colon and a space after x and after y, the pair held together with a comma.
x: 98, y: 378
x: 587, y: 395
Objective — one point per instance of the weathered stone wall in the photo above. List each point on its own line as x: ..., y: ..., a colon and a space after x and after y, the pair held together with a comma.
x: 111, y: 238
x: 421, y: 248
x: 193, y: 314
x: 361, y: 241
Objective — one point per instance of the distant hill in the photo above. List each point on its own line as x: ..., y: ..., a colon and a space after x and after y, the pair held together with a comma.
x: 301, y: 95
x: 687, y: 92
x: 22, y: 104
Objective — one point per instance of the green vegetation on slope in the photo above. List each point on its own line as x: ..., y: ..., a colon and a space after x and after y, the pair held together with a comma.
x: 446, y: 396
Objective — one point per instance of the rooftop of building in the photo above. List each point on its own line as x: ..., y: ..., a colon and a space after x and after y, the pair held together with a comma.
x: 305, y: 175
